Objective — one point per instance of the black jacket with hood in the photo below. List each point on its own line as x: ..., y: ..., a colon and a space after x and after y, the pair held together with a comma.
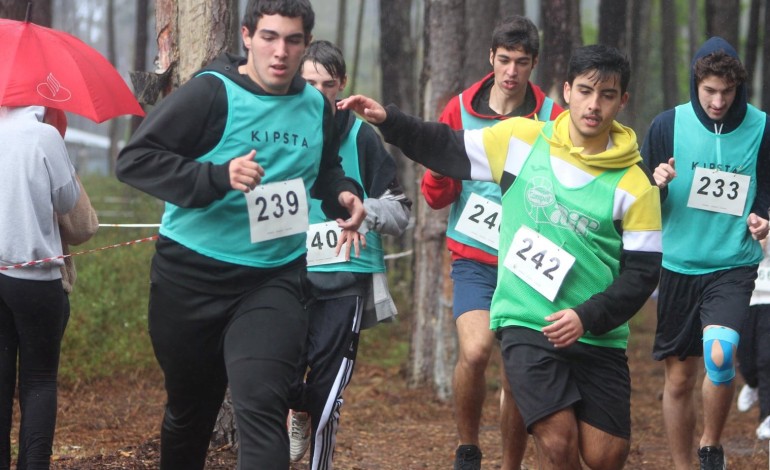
x: 658, y: 145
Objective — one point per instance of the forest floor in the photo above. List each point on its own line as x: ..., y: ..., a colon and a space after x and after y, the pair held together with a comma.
x: 113, y: 424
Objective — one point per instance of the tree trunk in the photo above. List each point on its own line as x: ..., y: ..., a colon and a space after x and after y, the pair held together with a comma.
x: 398, y: 52
x: 638, y: 51
x: 433, y: 342
x: 40, y: 11
x: 512, y: 7
x: 205, y: 28
x: 342, y: 8
x: 766, y: 61
x: 140, y: 47
x: 612, y: 23
x: 480, y: 17
x: 669, y: 58
x: 694, y: 27
x: 722, y: 17
x: 557, y: 45
x: 353, y: 71
x: 752, y: 46
x: 114, y: 126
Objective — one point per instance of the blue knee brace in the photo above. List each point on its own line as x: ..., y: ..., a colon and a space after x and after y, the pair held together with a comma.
x: 723, y: 374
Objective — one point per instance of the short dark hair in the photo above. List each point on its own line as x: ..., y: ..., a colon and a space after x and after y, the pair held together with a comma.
x: 328, y: 55
x: 721, y: 64
x: 256, y: 9
x: 515, y: 32
x: 604, y: 61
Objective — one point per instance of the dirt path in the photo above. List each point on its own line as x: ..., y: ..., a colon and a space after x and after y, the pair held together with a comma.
x: 114, y: 425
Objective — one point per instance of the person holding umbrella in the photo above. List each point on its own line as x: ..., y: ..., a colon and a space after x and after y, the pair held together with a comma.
x: 38, y: 183
x: 236, y: 153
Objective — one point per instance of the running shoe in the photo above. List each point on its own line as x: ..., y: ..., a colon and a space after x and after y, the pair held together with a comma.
x: 763, y: 431
x: 747, y: 398
x: 468, y: 457
x: 299, y: 434
x: 712, y: 458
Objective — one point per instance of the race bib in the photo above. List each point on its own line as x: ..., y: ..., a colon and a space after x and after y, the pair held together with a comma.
x: 322, y: 240
x: 480, y: 220
x: 719, y: 191
x: 538, y: 262
x: 277, y: 210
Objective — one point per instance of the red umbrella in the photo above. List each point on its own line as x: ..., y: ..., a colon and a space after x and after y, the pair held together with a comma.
x: 46, y: 67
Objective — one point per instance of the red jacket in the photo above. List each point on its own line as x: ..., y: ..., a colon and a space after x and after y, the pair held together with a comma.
x: 441, y: 192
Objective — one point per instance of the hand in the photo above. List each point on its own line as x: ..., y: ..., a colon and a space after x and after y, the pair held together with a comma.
x: 355, y: 208
x: 757, y: 226
x: 350, y: 239
x: 364, y: 106
x: 664, y: 173
x: 565, y: 328
x: 245, y: 173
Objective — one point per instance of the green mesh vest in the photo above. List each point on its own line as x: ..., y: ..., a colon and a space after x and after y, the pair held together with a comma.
x: 580, y: 221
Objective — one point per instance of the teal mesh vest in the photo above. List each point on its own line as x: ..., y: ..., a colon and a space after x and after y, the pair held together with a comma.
x: 371, y: 258
x: 485, y: 189
x: 584, y: 228
x: 685, y: 249
x: 286, y: 131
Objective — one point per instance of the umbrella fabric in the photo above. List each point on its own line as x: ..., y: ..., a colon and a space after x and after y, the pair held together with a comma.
x: 46, y: 67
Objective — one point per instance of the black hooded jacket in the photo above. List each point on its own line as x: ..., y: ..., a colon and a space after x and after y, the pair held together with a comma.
x: 658, y: 145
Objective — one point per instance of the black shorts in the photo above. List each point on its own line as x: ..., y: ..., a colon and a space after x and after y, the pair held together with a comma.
x: 593, y: 380
x: 689, y: 303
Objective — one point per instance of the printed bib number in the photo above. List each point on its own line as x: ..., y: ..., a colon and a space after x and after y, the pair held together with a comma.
x: 538, y: 262
x: 719, y: 191
x: 277, y: 210
x: 322, y: 240
x: 480, y: 220
x: 763, y: 279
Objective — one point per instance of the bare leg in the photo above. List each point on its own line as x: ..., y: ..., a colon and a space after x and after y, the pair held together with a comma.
x: 469, y: 382
x: 512, y: 428
x: 556, y: 440
x: 600, y: 450
x: 679, y: 409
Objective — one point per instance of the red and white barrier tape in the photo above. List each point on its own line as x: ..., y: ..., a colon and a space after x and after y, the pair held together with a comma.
x: 48, y: 260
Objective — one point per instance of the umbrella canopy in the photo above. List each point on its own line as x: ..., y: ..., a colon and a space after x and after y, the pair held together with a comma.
x: 46, y: 67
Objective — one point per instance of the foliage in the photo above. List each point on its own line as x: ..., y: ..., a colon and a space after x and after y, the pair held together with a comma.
x: 107, y: 330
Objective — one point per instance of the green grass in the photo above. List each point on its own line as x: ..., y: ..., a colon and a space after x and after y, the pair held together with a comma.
x: 107, y: 331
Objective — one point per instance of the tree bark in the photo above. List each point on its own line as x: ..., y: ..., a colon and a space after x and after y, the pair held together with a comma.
x: 612, y: 23
x: 481, y: 16
x: 752, y: 46
x: 140, y: 47
x: 638, y: 51
x: 433, y: 342
x: 694, y: 27
x: 398, y: 53
x: 342, y: 8
x: 114, y: 126
x: 766, y: 60
x: 558, y: 42
x: 722, y: 17
x: 668, y: 52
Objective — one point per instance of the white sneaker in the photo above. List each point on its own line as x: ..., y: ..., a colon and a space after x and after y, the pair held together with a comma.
x: 763, y: 431
x: 747, y: 398
x: 299, y: 434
